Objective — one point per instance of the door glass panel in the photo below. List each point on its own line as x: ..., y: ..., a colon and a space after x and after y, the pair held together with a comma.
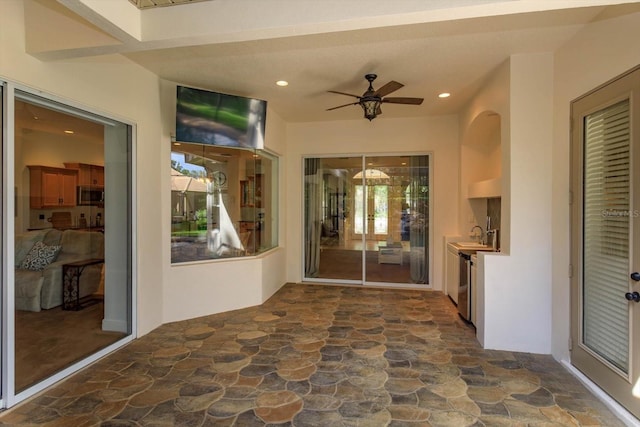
x: 397, y: 251
x: 333, y: 219
x: 605, y: 328
x: 379, y: 214
x: 359, y: 211
x: 381, y: 209
x: 72, y: 236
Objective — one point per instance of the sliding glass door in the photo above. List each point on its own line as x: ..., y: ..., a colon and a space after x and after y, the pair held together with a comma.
x: 366, y: 219
x: 67, y: 280
x: 330, y: 251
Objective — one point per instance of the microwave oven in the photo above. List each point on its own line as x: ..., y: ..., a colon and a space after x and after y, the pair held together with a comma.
x: 90, y: 195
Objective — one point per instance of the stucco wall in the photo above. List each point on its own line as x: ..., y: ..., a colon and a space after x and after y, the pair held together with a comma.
x: 113, y: 86
x: 515, y: 286
x: 201, y: 288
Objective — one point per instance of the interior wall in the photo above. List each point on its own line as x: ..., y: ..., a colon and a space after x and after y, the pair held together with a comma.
x: 598, y: 53
x: 113, y: 86
x: 435, y: 135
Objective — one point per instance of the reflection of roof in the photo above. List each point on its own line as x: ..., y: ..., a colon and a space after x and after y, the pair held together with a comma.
x: 184, y: 183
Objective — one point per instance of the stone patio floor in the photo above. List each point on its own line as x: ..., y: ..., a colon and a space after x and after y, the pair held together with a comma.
x: 318, y: 356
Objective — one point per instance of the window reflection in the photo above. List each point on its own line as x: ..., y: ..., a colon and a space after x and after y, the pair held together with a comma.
x: 222, y: 202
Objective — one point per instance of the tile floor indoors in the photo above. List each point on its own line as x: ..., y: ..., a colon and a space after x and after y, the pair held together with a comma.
x: 318, y: 356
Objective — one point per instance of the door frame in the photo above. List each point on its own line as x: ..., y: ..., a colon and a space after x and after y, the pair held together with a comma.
x: 363, y: 282
x: 583, y: 359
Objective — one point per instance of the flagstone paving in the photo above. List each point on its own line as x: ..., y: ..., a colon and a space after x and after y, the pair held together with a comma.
x: 318, y: 356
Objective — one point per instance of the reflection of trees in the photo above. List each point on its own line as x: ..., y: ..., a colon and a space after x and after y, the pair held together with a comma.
x: 176, y: 165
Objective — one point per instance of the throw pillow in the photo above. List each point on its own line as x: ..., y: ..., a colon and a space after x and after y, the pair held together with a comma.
x: 40, y: 256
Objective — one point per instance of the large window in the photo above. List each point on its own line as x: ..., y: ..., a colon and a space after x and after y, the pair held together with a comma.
x: 223, y: 202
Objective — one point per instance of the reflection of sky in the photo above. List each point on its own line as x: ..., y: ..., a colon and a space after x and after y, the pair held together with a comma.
x: 179, y: 158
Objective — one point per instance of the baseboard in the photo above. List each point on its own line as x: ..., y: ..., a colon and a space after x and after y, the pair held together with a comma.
x: 115, y: 325
x: 625, y: 416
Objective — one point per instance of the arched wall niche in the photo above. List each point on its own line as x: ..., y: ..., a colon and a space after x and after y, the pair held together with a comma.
x: 483, y: 145
x: 480, y: 171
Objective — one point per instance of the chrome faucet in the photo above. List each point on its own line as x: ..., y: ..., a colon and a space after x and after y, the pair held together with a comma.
x: 481, y: 233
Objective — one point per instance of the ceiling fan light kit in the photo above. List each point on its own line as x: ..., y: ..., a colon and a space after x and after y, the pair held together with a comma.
x: 372, y: 99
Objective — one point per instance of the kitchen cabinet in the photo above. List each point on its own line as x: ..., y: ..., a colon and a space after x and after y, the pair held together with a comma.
x: 88, y: 175
x: 52, y: 187
x: 453, y: 272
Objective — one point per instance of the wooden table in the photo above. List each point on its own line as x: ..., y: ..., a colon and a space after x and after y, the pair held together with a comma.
x: 71, y: 273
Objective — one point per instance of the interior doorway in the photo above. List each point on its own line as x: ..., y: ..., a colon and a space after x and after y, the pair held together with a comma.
x: 371, y: 203
x: 367, y: 219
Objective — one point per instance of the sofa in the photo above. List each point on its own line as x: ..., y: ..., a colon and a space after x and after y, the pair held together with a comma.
x: 39, y: 257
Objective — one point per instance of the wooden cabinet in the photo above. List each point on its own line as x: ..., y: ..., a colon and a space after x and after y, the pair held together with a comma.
x: 452, y: 270
x: 52, y: 187
x: 88, y: 175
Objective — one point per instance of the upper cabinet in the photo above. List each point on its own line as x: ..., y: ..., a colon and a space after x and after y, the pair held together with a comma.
x: 52, y: 187
x: 88, y: 175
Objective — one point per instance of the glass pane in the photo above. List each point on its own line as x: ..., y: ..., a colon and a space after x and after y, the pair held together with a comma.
x: 72, y: 242
x: 223, y: 202
x: 606, y: 233
x: 381, y: 209
x: 333, y: 218
x: 399, y: 198
x: 359, y: 210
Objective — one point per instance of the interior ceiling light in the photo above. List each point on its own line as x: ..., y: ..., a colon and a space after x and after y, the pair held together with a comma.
x: 282, y: 83
x: 371, y: 174
x: 444, y: 95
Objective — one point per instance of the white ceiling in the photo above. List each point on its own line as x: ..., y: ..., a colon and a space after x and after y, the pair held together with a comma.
x: 450, y: 46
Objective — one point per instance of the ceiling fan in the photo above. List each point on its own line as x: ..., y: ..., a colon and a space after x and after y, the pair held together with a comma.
x: 371, y: 100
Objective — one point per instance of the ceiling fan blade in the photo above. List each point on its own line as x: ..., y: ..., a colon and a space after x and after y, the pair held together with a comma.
x: 401, y: 100
x: 340, y: 106
x: 392, y: 86
x: 343, y: 93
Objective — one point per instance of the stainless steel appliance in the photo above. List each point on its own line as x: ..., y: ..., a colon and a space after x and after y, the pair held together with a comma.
x: 90, y: 195
x: 493, y: 239
x: 464, y: 290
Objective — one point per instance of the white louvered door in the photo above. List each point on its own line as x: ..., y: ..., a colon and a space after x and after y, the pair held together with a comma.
x: 605, y: 239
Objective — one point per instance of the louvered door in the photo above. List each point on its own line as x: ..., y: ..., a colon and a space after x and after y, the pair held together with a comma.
x: 605, y: 238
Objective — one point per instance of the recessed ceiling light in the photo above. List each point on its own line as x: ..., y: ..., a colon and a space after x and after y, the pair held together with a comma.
x: 444, y: 95
x: 282, y: 83
x: 176, y: 143
x: 69, y: 131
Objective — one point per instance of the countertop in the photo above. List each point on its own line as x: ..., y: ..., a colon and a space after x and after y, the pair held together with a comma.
x: 470, y: 246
